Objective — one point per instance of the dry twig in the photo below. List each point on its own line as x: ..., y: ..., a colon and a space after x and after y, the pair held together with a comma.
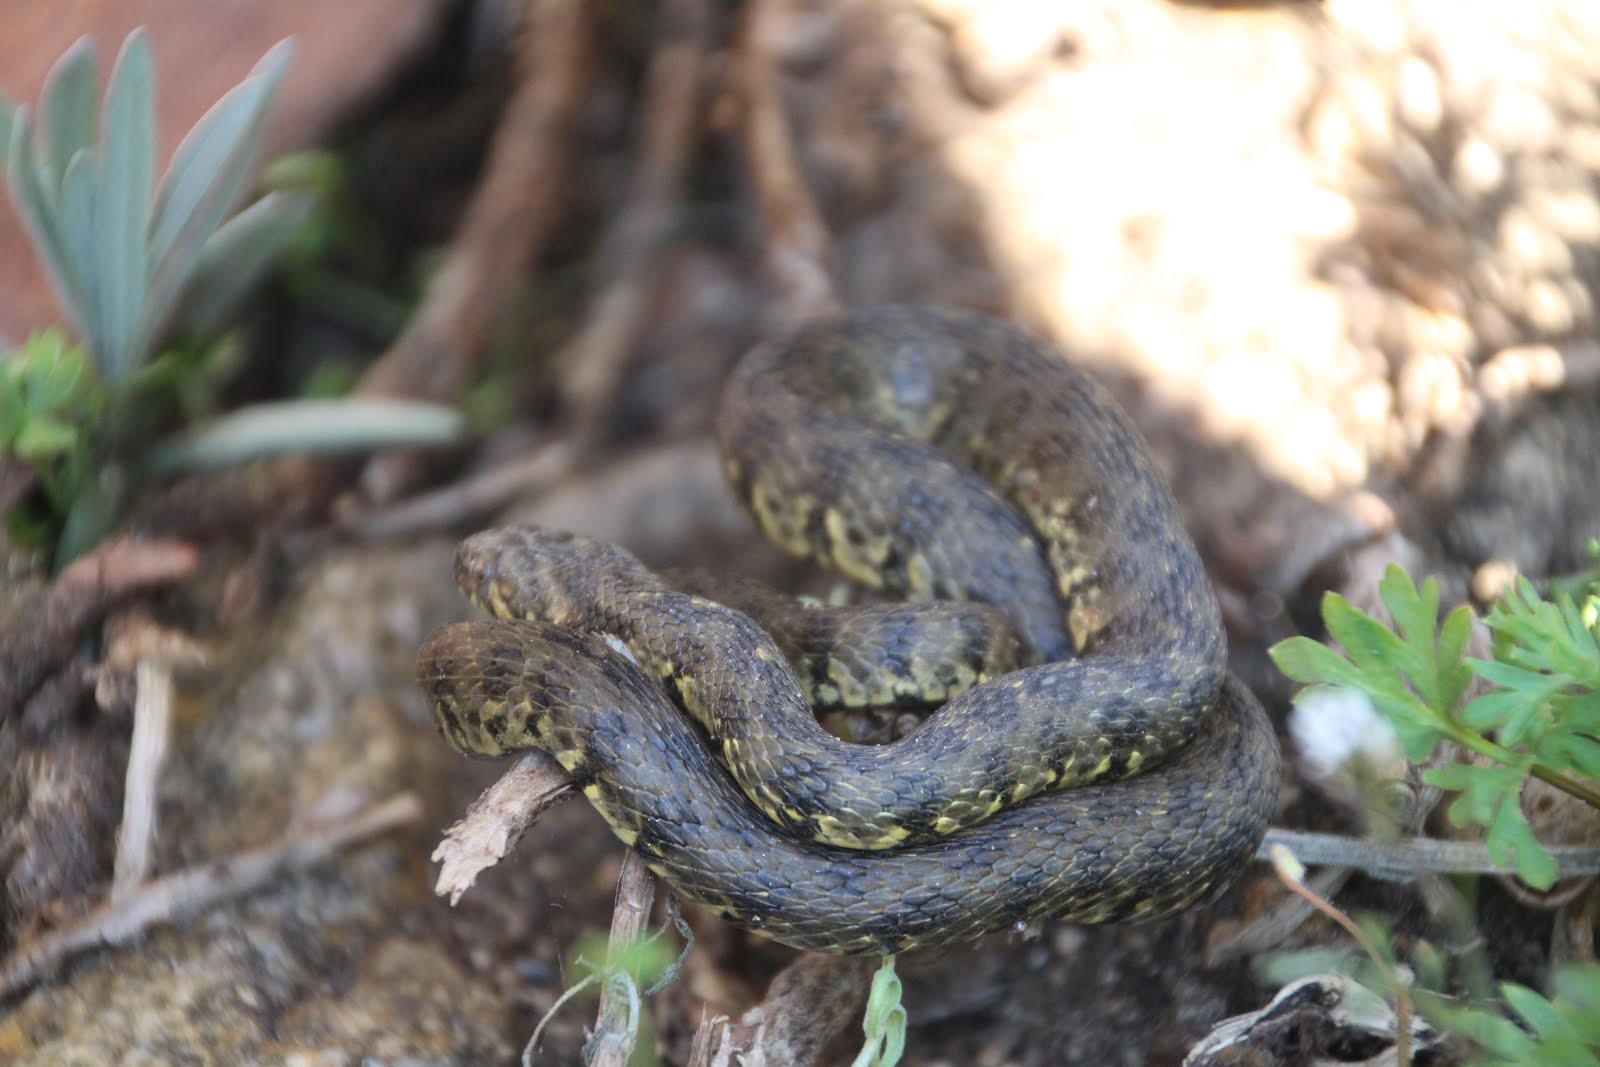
x: 38, y: 636
x: 497, y: 820
x: 513, y: 209
x: 461, y: 502
x: 152, y: 729
x: 1407, y: 859
x: 192, y: 890
x: 591, y: 364
x: 636, y: 895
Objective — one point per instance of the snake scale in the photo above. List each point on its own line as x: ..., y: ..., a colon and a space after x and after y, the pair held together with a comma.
x: 1122, y: 773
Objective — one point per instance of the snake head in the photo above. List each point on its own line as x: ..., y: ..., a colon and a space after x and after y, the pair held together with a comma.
x: 531, y: 572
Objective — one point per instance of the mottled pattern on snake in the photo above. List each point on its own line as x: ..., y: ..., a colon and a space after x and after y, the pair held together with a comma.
x: 1097, y: 564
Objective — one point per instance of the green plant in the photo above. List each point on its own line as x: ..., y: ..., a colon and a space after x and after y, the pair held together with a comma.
x: 120, y: 251
x: 1507, y: 1026
x: 147, y: 277
x: 47, y: 397
x: 884, y: 1021
x: 1539, y: 718
x: 1560, y: 1031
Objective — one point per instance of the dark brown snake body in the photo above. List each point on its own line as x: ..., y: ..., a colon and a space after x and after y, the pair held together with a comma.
x: 933, y: 456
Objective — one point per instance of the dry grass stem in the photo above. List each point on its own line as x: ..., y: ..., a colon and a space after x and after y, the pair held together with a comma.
x: 636, y: 895
x: 152, y: 730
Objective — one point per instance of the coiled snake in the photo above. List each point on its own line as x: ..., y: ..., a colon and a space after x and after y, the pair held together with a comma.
x: 933, y: 456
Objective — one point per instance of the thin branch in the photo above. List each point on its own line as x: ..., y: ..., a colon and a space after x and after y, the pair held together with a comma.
x: 591, y: 364
x: 1404, y: 860
x: 496, y: 821
x: 464, y: 501
x: 187, y: 892
x: 1403, y: 1008
x: 612, y: 1044
x: 514, y: 209
x: 1272, y: 928
x: 38, y: 635
x: 798, y: 244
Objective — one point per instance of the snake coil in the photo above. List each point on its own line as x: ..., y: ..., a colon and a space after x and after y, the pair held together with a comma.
x: 1120, y: 774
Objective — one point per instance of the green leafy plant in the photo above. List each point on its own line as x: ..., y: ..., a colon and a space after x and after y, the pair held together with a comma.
x: 1539, y: 718
x: 47, y: 397
x: 147, y: 276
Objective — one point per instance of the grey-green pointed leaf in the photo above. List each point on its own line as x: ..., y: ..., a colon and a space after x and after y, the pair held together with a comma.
x: 122, y: 203
x: 238, y: 255
x: 66, y: 107
x: 207, y: 177
x: 8, y: 114
x: 352, y: 424
x: 81, y: 241
x: 42, y: 224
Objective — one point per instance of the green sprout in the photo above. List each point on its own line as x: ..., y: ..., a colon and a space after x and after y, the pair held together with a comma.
x: 884, y: 1022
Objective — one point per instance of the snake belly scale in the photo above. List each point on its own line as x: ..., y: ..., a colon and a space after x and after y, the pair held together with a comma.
x: 1120, y: 774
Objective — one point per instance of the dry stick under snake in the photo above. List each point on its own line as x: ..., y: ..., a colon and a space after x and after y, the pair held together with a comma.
x: 1180, y: 763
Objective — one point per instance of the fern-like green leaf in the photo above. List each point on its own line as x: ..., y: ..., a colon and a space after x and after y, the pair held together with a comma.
x: 1313, y: 663
x: 1570, y: 753
x: 1491, y: 797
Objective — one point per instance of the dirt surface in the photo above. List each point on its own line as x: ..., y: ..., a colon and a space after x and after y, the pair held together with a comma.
x: 1339, y: 261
